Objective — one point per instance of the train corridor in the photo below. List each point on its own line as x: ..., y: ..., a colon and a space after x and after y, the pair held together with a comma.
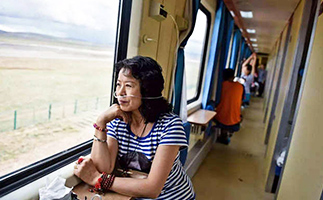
x: 237, y: 170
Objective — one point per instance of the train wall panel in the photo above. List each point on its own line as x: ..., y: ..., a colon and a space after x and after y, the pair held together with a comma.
x: 274, y: 110
x: 167, y: 41
x: 272, y: 75
x: 297, y: 18
x: 163, y: 33
x: 270, y: 78
x: 303, y: 174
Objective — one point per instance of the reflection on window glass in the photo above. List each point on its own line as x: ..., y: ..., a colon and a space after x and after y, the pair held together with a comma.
x: 230, y: 51
x: 193, y: 55
x: 56, y: 64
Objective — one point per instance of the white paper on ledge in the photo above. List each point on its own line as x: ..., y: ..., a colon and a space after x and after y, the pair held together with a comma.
x: 55, y: 190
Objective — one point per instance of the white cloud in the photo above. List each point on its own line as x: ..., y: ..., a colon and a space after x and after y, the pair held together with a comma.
x: 7, y: 28
x: 94, y: 14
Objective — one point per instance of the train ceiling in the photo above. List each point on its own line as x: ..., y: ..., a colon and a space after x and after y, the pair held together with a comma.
x: 269, y: 19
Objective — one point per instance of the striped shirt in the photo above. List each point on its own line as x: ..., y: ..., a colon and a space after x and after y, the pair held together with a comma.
x: 168, y: 130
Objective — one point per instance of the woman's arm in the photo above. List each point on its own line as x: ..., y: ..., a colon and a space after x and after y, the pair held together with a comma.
x: 104, y: 154
x: 253, y: 63
x: 151, y: 186
x: 247, y: 61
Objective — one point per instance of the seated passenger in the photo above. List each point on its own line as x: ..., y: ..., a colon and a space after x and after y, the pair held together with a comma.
x: 248, y: 72
x: 228, y: 111
x: 138, y: 133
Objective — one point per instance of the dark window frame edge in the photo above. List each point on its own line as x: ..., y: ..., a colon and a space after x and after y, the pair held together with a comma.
x: 205, y: 49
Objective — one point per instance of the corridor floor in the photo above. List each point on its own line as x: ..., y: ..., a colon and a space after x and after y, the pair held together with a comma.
x: 236, y: 171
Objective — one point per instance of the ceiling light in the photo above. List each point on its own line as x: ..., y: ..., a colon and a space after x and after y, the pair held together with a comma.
x: 246, y: 14
x: 253, y: 39
x: 232, y: 13
x: 254, y: 45
x: 241, y: 30
x: 251, y: 30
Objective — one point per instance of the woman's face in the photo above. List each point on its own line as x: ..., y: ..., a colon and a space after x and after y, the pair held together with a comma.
x: 128, y: 85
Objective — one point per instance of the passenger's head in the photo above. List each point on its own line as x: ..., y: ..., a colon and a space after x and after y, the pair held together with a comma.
x: 262, y: 66
x: 228, y: 75
x: 141, y: 77
x: 247, y: 69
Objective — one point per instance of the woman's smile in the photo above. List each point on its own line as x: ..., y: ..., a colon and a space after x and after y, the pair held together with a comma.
x: 123, y: 102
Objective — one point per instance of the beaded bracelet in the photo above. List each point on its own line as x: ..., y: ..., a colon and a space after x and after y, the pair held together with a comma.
x: 104, y: 183
x: 99, y: 128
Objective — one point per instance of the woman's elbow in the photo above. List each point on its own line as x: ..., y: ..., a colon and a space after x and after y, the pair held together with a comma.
x: 102, y: 167
x: 152, y: 191
x: 153, y: 194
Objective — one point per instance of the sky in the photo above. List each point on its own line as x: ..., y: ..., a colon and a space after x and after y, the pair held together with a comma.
x: 93, y: 21
x: 196, y: 43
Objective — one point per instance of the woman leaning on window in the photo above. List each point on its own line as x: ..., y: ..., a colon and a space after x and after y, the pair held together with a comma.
x: 139, y: 133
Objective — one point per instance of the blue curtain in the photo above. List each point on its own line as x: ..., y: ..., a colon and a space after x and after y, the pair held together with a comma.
x: 179, y: 78
x: 248, y: 52
x: 235, y: 48
x: 215, y: 49
x: 180, y: 62
x: 242, y: 56
x: 228, y: 33
x: 228, y: 28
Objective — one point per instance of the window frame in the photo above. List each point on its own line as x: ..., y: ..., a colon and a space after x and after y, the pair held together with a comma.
x: 23, y: 176
x: 205, y: 49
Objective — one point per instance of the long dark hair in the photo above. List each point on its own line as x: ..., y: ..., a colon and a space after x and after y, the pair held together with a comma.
x: 149, y: 74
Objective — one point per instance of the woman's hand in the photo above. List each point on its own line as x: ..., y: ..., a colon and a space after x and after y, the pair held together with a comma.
x: 113, y: 112
x: 86, y: 170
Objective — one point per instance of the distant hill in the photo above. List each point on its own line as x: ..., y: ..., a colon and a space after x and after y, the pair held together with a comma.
x: 39, y: 38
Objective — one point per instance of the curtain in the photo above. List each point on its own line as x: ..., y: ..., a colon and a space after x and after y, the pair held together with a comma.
x: 235, y: 48
x: 180, y: 100
x: 223, y: 27
x: 228, y: 28
x: 215, y: 48
x: 242, y: 56
x: 179, y: 97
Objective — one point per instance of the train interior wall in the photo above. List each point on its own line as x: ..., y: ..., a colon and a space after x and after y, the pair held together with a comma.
x: 303, y: 175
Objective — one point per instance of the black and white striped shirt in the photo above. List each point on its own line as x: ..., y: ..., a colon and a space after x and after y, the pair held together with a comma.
x: 168, y: 130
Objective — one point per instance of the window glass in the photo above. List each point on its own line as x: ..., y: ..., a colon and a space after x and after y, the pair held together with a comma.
x: 194, y: 55
x: 230, y: 51
x: 56, y: 64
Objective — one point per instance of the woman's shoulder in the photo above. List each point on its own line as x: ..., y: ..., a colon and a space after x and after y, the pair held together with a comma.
x: 169, y: 118
x: 117, y: 123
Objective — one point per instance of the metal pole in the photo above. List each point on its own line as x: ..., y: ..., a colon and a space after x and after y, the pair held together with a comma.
x: 75, y: 107
x: 15, y: 120
x: 49, y: 111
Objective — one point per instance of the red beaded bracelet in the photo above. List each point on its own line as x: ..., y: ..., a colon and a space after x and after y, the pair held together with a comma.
x: 104, y: 183
x: 99, y: 128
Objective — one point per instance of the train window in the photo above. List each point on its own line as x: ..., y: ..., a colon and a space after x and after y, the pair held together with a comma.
x: 56, y: 67
x: 230, y: 51
x: 195, y: 53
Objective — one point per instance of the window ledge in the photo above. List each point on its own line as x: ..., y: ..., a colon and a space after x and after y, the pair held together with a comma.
x: 31, y: 191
